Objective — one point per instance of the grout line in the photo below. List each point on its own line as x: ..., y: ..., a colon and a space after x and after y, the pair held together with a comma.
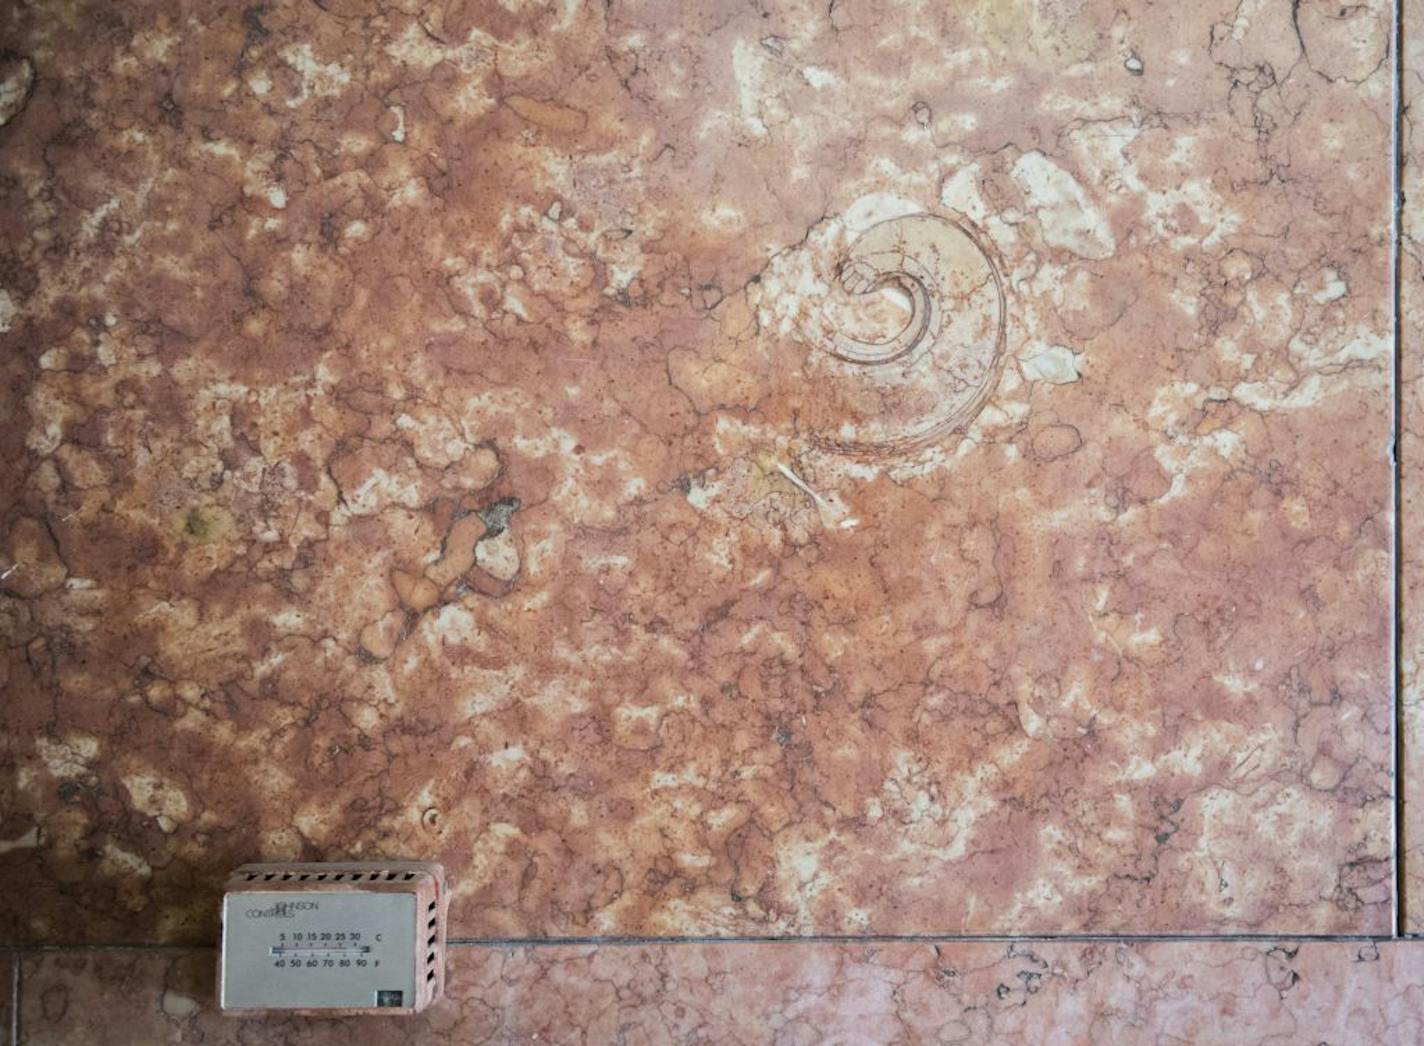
x: 1398, y: 830
x: 918, y: 938
x: 127, y: 946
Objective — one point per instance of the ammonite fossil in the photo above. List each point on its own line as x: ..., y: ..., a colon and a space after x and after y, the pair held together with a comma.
x: 931, y: 376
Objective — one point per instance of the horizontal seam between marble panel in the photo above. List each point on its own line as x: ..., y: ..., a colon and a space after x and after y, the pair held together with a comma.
x: 535, y: 942
x: 631, y: 941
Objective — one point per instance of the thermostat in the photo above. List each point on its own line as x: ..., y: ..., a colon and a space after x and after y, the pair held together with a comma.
x: 326, y: 939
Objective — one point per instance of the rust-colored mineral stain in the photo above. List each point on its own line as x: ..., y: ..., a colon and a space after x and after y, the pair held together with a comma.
x: 551, y: 116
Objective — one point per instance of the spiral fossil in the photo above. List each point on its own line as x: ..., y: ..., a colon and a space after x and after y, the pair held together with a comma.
x: 871, y: 397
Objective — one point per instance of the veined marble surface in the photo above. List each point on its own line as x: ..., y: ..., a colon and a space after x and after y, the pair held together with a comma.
x: 701, y: 468
x: 787, y: 994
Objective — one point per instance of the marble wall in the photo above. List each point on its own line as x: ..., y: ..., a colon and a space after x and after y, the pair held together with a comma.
x: 1025, y: 991
x: 726, y: 470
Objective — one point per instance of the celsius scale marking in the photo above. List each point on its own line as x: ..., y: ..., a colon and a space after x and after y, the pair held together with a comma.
x: 343, y: 954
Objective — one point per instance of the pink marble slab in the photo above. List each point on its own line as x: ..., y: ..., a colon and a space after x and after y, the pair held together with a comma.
x: 9, y: 991
x: 1341, y: 993
x: 441, y: 434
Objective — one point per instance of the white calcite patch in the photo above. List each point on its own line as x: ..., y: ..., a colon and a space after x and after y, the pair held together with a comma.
x: 1066, y: 213
x: 319, y: 79
x: 1055, y: 364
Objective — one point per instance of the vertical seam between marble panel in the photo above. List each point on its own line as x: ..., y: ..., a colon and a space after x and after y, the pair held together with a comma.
x: 1401, y: 900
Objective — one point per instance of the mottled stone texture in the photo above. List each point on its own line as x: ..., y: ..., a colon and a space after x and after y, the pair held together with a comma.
x: 1411, y: 467
x: 1340, y: 993
x: 9, y: 985
x: 426, y: 437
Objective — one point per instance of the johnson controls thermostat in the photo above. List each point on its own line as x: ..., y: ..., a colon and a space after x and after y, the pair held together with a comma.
x: 329, y: 939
